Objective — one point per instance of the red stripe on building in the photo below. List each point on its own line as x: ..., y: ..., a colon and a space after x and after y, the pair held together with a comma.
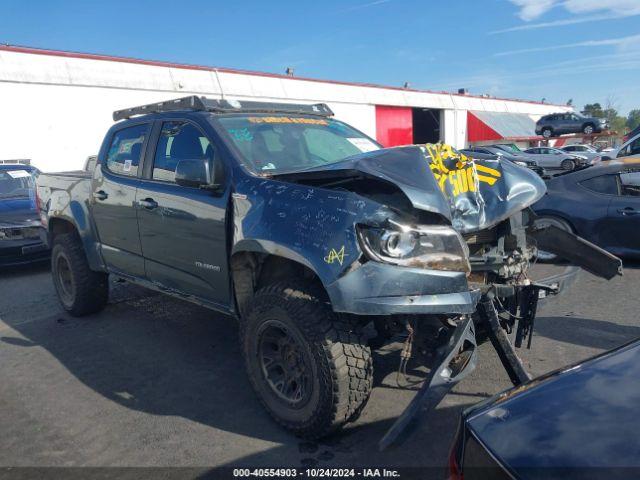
x: 394, y: 125
x: 478, y: 131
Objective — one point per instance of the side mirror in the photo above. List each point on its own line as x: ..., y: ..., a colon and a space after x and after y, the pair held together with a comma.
x: 194, y: 173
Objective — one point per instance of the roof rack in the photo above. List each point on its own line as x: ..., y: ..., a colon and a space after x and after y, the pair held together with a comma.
x: 19, y: 161
x: 196, y: 103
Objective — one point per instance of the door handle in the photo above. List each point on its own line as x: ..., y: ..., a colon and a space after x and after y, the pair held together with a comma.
x: 148, y: 203
x: 628, y: 211
x: 100, y: 195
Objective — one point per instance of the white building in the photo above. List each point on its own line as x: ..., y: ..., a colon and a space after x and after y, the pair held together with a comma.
x: 56, y: 106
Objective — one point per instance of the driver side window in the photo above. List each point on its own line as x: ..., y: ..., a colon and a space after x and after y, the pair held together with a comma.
x: 178, y: 141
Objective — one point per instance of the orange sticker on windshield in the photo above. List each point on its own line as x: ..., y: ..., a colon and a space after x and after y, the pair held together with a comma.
x: 299, y: 120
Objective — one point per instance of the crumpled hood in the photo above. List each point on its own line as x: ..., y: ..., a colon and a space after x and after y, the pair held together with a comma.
x: 18, y: 212
x: 472, y: 194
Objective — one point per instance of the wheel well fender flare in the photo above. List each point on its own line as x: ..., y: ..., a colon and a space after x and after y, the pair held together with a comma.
x: 558, y: 216
x: 62, y: 222
x: 255, y: 263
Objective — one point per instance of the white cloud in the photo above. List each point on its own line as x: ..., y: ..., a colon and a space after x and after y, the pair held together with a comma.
x: 582, y: 11
x: 624, y: 43
x: 561, y: 23
x: 620, y: 7
x: 532, y: 9
x: 365, y: 5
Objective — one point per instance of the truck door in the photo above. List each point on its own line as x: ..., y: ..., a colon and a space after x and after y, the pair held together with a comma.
x: 113, y: 196
x: 182, y: 229
x: 623, y: 218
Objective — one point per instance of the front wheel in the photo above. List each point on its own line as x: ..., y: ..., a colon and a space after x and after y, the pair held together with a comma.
x: 588, y: 129
x: 81, y: 291
x: 568, y: 164
x: 310, y: 368
x: 547, y: 132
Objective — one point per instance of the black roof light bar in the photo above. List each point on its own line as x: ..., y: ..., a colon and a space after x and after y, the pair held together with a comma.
x: 203, y: 104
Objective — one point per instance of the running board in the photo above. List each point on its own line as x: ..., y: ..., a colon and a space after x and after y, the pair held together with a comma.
x: 577, y: 250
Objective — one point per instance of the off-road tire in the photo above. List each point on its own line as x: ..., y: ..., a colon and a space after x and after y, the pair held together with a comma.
x: 588, y: 129
x: 547, y: 132
x: 340, y: 360
x: 568, y: 164
x: 87, y: 291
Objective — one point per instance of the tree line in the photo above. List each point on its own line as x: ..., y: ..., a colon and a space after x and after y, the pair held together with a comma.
x: 617, y: 122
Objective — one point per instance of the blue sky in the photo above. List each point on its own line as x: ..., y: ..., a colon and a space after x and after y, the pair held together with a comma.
x: 587, y: 50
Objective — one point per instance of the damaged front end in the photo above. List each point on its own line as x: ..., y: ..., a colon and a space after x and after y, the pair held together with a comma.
x: 446, y: 262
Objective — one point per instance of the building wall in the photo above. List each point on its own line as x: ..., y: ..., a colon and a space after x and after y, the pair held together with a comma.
x: 57, y: 106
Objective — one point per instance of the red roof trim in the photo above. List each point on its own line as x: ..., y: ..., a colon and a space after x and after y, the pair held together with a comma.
x: 186, y: 66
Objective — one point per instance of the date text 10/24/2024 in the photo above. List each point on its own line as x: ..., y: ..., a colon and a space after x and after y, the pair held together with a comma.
x: 316, y: 472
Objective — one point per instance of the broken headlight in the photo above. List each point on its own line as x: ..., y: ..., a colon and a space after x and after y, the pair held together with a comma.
x: 435, y: 247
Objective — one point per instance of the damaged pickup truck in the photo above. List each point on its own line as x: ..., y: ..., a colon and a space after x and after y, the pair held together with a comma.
x: 307, y: 231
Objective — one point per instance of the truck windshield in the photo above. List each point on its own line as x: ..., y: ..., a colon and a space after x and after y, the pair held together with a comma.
x: 15, y: 183
x: 277, y: 144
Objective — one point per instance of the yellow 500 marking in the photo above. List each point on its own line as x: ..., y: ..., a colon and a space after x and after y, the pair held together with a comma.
x: 464, y: 176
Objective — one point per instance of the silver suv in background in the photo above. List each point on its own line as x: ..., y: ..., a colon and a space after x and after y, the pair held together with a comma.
x: 561, y: 123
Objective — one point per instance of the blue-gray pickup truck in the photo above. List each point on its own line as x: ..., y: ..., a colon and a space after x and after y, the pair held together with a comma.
x: 309, y: 232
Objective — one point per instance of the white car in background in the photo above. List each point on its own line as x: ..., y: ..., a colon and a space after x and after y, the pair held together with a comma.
x: 554, y: 158
x: 631, y: 148
x: 583, y: 150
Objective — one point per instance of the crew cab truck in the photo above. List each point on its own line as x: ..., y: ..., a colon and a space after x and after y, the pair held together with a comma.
x: 306, y: 231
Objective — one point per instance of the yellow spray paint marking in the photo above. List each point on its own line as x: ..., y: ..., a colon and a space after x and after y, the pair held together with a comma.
x: 301, y: 120
x: 335, y: 256
x: 466, y: 174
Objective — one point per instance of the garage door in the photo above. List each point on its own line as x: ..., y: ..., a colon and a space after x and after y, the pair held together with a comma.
x: 394, y: 125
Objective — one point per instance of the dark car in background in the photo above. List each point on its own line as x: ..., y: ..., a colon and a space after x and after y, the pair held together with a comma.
x: 21, y: 233
x: 600, y: 203
x: 507, y: 147
x: 493, y: 152
x: 569, y: 122
x: 580, y: 422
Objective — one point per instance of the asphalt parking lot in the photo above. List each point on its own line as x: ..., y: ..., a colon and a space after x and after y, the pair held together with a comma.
x: 153, y: 381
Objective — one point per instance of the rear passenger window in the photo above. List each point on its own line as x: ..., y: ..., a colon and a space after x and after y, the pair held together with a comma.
x: 603, y: 184
x: 178, y: 141
x: 126, y: 149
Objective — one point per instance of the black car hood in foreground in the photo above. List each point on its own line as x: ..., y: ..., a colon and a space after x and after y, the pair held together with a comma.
x: 472, y: 194
x: 582, y: 417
